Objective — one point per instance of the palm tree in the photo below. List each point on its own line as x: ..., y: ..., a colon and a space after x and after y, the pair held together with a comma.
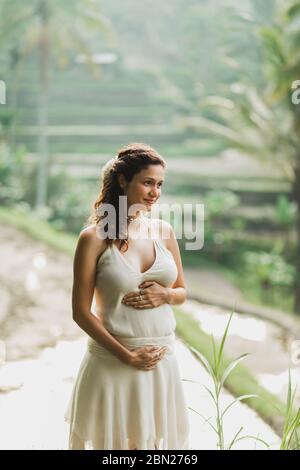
x: 54, y: 29
x: 265, y: 123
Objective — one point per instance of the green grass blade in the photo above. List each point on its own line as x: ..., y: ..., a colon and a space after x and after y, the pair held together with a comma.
x: 238, y: 399
x: 220, y: 353
x: 231, y: 366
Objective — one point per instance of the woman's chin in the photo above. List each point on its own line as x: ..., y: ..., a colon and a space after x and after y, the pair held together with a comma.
x: 147, y: 207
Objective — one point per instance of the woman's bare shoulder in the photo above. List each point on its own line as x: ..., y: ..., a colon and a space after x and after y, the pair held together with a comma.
x: 162, y: 225
x: 162, y: 229
x: 89, y: 237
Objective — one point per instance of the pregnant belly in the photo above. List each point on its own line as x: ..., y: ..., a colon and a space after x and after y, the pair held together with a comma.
x: 157, y: 321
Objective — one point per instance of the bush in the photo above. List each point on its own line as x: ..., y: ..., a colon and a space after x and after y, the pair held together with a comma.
x: 12, y: 187
x: 68, y: 199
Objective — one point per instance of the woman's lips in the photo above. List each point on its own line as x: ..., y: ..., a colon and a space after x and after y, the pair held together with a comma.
x: 149, y: 201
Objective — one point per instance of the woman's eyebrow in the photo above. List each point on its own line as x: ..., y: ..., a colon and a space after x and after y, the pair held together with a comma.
x: 149, y: 178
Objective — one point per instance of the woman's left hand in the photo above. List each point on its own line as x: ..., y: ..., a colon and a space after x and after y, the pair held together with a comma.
x: 153, y: 295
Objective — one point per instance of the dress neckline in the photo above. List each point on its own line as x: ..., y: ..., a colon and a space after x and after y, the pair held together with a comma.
x: 131, y: 267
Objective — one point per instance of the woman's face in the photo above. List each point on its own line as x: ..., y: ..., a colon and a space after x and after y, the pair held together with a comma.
x: 145, y: 187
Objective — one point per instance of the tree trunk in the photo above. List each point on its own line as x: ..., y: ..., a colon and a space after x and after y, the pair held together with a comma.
x: 42, y: 175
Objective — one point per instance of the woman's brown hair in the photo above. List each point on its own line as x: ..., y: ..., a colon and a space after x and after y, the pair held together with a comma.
x: 130, y: 160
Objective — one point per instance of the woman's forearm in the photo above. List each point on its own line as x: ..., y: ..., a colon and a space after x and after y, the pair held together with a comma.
x: 176, y: 295
x: 93, y: 326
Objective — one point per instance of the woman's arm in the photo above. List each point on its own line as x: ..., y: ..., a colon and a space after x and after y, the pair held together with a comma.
x: 88, y: 248
x: 176, y: 294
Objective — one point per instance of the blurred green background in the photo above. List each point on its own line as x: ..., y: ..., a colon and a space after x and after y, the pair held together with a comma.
x: 208, y: 84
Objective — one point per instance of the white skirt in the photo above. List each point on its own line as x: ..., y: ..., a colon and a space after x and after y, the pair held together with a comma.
x: 116, y: 406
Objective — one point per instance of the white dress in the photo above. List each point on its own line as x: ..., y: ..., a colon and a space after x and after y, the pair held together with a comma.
x: 117, y: 406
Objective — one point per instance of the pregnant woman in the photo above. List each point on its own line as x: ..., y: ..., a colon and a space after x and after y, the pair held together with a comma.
x: 128, y: 392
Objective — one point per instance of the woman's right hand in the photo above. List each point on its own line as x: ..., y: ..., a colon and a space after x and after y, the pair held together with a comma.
x: 146, y: 358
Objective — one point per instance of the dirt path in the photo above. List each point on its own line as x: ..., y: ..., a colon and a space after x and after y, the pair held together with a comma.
x: 210, y: 282
x: 35, y: 283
